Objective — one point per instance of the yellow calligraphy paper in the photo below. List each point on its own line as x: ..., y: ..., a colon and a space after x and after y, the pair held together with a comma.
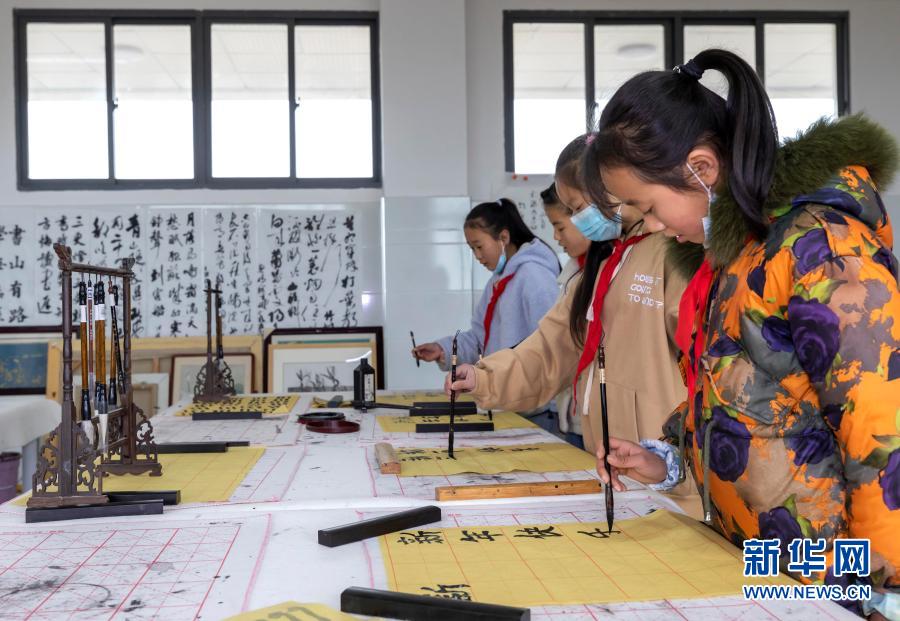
x: 548, y: 457
x: 269, y: 405
x: 201, y: 477
x: 407, y: 424
x: 658, y: 556
x: 294, y: 611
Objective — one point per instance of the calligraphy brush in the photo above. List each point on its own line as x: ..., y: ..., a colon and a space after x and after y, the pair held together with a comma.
x: 100, y: 359
x: 85, y: 389
x: 220, y: 351
x: 113, y: 393
x: 452, y: 395
x: 490, y: 412
x: 90, y: 333
x: 604, y: 415
x: 413, y: 337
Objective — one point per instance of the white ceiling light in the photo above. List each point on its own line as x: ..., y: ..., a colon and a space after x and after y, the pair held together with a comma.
x: 125, y: 53
x: 636, y: 51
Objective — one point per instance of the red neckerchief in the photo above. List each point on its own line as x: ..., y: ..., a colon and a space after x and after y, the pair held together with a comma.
x: 595, y: 326
x: 499, y: 286
x: 581, y: 259
x: 690, y: 331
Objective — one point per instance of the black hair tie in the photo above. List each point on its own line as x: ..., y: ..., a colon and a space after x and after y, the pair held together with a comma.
x: 690, y: 68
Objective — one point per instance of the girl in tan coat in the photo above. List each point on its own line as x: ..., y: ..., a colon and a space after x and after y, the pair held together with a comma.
x: 638, y: 315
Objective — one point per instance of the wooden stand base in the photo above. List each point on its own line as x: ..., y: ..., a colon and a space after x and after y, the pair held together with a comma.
x: 154, y: 468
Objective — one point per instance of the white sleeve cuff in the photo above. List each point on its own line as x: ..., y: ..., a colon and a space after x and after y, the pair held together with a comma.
x: 669, y: 454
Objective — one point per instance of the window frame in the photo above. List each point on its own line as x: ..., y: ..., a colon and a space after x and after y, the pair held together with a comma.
x: 673, y: 23
x: 200, y: 23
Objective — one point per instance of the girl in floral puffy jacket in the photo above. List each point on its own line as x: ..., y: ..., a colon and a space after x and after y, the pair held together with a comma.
x: 790, y: 328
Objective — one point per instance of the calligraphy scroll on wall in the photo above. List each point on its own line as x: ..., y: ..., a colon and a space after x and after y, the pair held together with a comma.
x: 279, y: 265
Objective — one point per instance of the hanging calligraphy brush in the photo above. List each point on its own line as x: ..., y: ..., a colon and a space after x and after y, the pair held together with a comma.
x: 604, y: 415
x: 90, y: 334
x: 113, y: 393
x: 452, y: 395
x: 85, y: 389
x: 220, y: 351
x: 100, y: 358
x: 480, y: 358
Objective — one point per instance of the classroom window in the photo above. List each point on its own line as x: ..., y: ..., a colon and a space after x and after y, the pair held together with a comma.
x: 800, y: 75
x: 801, y: 58
x: 740, y: 39
x: 181, y: 99
x: 621, y: 51
x: 549, y: 91
x: 333, y: 102
x: 250, y: 106
x: 67, y: 102
x: 153, y: 104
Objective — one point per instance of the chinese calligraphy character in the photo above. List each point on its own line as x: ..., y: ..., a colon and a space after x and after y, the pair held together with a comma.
x: 807, y: 556
x: 851, y: 556
x: 598, y: 533
x: 475, y: 537
x: 450, y: 591
x: 761, y: 557
x: 536, y: 532
x: 420, y: 536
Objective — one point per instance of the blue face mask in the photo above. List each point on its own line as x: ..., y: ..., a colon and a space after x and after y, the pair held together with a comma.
x: 501, y: 262
x: 595, y: 226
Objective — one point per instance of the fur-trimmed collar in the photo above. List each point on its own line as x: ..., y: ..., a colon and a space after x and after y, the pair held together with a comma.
x: 803, y: 165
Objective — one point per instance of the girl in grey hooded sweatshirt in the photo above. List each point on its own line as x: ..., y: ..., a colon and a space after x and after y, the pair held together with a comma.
x: 521, y: 290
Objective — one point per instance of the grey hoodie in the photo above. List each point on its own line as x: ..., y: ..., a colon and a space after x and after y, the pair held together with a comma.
x: 528, y: 296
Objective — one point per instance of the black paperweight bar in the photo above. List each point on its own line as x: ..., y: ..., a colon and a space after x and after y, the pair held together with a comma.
x: 445, y: 427
x: 437, y: 408
x: 348, y: 533
x: 376, y: 603
x: 168, y: 496
x: 225, y: 415
x: 110, y: 509
x: 192, y: 447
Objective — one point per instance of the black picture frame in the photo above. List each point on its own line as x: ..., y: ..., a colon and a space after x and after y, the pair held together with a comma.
x: 42, y: 335
x: 378, y: 331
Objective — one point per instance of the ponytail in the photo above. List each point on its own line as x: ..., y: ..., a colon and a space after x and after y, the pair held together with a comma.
x: 497, y: 216
x: 657, y: 118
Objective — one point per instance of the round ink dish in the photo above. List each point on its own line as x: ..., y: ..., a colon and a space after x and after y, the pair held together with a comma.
x: 312, y: 417
x: 333, y: 426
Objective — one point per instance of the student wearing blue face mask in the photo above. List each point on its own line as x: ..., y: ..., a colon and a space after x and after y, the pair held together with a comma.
x: 521, y: 290
x: 626, y: 299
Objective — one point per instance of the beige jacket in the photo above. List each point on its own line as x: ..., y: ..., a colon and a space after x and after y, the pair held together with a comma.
x: 569, y: 421
x: 643, y: 383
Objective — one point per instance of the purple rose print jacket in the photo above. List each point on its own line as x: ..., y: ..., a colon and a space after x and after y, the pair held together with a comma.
x: 796, y: 430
